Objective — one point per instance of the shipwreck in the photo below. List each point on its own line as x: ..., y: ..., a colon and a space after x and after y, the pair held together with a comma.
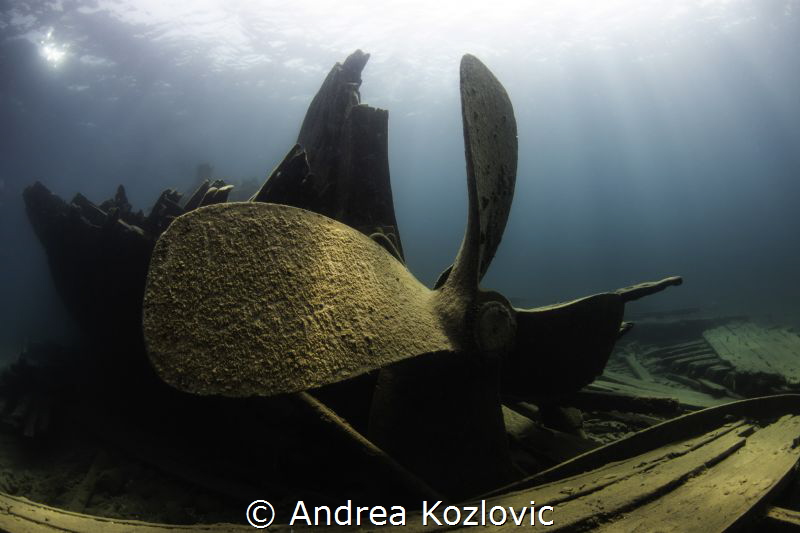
x: 287, y: 327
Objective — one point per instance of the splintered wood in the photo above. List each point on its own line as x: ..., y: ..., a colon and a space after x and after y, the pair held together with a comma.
x: 751, y: 348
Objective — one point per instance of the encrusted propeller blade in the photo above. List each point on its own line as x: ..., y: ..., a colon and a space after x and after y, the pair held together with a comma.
x: 562, y: 348
x: 260, y: 299
x: 490, y: 145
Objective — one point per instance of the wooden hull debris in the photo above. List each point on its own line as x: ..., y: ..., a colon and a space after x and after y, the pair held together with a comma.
x: 727, y: 359
x: 705, y: 471
x: 701, y: 472
x: 753, y: 349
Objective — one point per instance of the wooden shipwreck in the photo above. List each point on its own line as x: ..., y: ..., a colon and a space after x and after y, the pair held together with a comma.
x: 295, y: 310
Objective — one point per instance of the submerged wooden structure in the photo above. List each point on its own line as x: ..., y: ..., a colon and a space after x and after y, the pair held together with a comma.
x: 757, y: 350
x: 702, y: 472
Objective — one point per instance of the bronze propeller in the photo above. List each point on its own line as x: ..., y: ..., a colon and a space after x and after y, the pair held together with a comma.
x: 261, y: 299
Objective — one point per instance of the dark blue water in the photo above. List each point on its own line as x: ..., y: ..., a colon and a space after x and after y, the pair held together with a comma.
x: 653, y: 141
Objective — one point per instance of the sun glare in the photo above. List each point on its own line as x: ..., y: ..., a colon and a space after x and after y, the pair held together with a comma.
x: 52, y: 52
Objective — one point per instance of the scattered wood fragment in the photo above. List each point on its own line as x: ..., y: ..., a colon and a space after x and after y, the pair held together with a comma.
x: 605, y: 400
x: 715, y: 389
x: 636, y: 367
x: 82, y: 493
x: 548, y: 445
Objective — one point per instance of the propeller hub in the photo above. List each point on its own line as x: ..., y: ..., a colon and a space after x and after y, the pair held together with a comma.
x: 495, y: 328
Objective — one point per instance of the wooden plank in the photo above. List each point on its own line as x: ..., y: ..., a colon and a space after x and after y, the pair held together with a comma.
x: 682, y: 427
x: 697, y: 367
x: 719, y: 498
x: 681, y: 345
x: 581, y: 499
x: 615, y: 382
x: 83, y: 491
x: 604, y: 400
x: 685, y: 360
x: 19, y: 515
x: 636, y: 367
x: 637, y: 420
x: 719, y: 372
x: 688, y: 399
x: 780, y: 519
x: 724, y: 341
x: 713, y: 388
x: 686, y: 381
x: 599, y: 495
x: 671, y: 356
x: 720, y: 477
x: 786, y: 343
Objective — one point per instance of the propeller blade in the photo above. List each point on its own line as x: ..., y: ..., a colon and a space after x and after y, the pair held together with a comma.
x: 490, y: 145
x: 260, y: 299
x: 640, y: 290
x: 562, y: 348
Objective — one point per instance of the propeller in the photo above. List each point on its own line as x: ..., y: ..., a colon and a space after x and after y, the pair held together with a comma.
x: 262, y: 299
